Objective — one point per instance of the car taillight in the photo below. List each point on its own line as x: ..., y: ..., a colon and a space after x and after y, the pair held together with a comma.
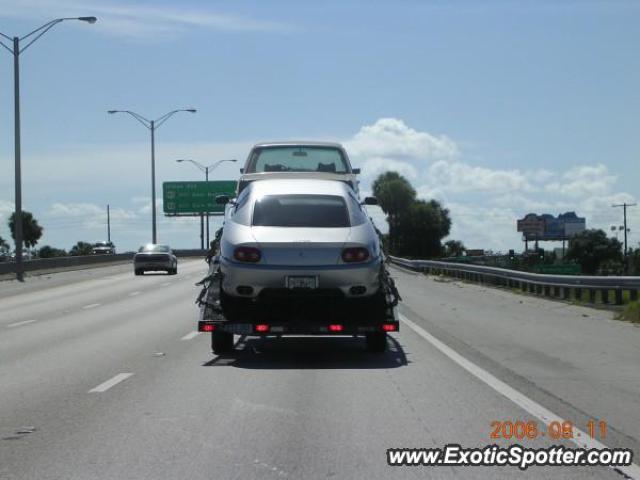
x: 335, y: 327
x: 247, y: 254
x: 355, y: 254
x: 389, y: 327
x: 262, y: 328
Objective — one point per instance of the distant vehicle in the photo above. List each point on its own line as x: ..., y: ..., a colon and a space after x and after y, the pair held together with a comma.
x: 290, y: 160
x: 153, y: 257
x: 103, y: 248
x: 26, y: 255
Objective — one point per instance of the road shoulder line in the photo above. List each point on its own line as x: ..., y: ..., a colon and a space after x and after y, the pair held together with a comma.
x: 583, y: 440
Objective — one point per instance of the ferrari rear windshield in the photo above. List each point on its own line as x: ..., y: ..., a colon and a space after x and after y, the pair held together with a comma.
x: 297, y: 159
x: 319, y: 211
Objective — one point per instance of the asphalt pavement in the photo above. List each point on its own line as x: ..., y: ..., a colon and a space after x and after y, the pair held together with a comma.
x: 103, y: 376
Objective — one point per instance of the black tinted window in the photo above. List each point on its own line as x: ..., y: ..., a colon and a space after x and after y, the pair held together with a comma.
x: 301, y: 211
x: 155, y: 248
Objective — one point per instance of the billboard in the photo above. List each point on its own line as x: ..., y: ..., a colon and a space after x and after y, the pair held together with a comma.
x: 531, y: 226
x: 195, y: 198
x: 548, y: 227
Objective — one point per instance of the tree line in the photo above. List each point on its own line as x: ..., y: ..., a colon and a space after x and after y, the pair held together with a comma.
x: 31, y: 234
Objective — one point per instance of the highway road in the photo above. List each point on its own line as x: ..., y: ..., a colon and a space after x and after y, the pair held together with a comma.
x: 102, y: 376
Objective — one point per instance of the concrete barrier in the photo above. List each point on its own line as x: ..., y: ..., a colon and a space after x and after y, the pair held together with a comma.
x: 85, y: 260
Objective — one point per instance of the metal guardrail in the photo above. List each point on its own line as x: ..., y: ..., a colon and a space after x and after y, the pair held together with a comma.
x: 84, y: 260
x: 559, y: 286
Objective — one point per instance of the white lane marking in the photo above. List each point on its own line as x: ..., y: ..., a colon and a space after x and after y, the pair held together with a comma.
x: 582, y: 439
x: 133, y: 294
x: 17, y: 324
x: 191, y: 335
x: 103, y: 387
x: 93, y: 305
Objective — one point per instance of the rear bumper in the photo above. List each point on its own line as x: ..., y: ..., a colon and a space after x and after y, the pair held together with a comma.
x: 275, y: 329
x: 274, y: 277
x: 155, y: 265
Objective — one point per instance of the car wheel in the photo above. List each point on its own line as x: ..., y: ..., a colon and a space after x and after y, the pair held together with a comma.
x: 376, y: 342
x: 221, y: 342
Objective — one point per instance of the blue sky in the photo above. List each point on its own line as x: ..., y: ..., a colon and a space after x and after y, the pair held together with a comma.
x: 496, y: 108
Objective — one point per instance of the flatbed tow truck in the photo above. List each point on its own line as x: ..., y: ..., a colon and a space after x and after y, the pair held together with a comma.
x: 297, y: 313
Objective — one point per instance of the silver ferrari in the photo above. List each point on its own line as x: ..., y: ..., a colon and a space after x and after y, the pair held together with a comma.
x: 299, y: 236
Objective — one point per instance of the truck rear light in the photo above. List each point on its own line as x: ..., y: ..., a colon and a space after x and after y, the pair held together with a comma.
x: 355, y: 254
x: 262, y: 328
x: 389, y: 327
x: 247, y: 254
x: 336, y: 327
x: 206, y: 327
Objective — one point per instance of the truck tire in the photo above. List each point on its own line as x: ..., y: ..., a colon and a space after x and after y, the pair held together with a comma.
x: 376, y: 342
x: 221, y: 342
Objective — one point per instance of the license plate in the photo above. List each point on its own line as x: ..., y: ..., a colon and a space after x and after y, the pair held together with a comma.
x: 302, y: 282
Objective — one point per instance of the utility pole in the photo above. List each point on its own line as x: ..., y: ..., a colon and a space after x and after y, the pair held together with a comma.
x: 108, y: 225
x: 624, y: 210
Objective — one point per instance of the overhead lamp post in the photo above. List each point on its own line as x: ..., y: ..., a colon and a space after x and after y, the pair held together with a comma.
x: 152, y: 125
x: 16, y: 49
x: 206, y: 171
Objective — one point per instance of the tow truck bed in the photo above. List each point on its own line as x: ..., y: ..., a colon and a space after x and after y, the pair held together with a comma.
x: 298, y: 313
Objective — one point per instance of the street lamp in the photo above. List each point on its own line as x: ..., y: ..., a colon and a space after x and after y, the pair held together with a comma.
x: 152, y: 125
x: 206, y: 171
x: 16, y: 50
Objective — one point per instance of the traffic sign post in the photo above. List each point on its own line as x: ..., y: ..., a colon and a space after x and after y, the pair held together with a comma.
x: 195, y: 198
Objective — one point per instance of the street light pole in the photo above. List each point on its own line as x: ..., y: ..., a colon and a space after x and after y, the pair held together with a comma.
x: 152, y: 125
x: 17, y: 217
x: 154, y: 228
x: 15, y: 50
x: 206, y: 171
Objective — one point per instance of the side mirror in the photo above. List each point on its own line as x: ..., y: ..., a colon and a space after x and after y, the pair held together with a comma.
x: 355, y: 171
x: 370, y: 201
x: 222, y: 199
x: 242, y: 170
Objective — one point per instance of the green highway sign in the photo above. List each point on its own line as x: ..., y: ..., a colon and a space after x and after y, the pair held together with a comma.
x: 195, y: 198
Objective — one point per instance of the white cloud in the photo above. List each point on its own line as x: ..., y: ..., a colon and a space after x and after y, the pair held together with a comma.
x: 151, y: 21
x: 584, y: 180
x: 391, y: 137
x: 462, y: 177
x: 484, y: 202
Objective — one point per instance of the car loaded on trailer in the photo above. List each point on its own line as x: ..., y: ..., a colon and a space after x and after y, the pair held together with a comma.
x: 298, y: 254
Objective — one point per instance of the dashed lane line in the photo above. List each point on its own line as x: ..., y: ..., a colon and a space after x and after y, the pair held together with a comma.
x: 93, y: 305
x: 103, y: 387
x: 18, y: 324
x: 191, y: 335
